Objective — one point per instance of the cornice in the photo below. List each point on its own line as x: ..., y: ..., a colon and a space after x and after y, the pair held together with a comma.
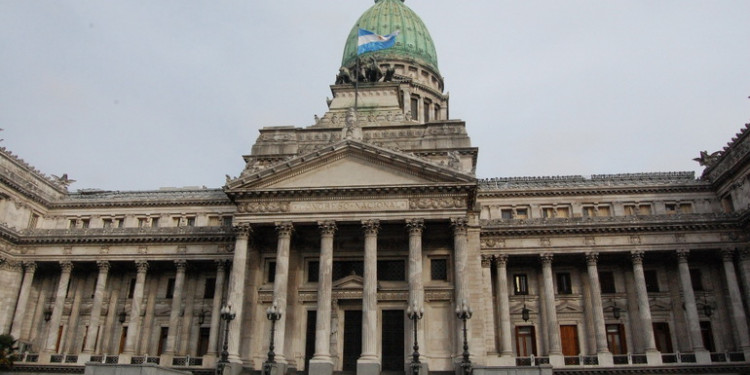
x: 638, y: 183
x: 120, y: 235
x: 732, y: 157
x: 337, y: 193
x: 612, y: 224
x: 147, y: 198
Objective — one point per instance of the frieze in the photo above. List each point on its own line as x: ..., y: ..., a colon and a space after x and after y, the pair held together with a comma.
x: 437, y: 203
x: 263, y: 207
x: 492, y: 243
x: 349, y: 206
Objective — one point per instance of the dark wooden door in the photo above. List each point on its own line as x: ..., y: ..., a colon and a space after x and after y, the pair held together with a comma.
x: 569, y: 340
x: 312, y: 317
x: 663, y: 337
x: 393, y: 340
x: 525, y: 341
x: 352, y: 339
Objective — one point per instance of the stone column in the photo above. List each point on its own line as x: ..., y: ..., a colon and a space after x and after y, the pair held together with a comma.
x: 369, y: 363
x: 691, y: 309
x: 281, y: 286
x: 503, y: 308
x: 213, y: 334
x: 11, y: 277
x: 237, y: 290
x: 649, y: 343
x: 321, y: 363
x: 460, y: 227
x: 66, y: 268
x: 488, y: 308
x: 556, y: 358
x: 174, y: 314
x: 739, y: 322
x: 96, y: 307
x: 415, y: 227
x: 134, y: 324
x: 745, y: 271
x: 597, y: 309
x: 23, y: 299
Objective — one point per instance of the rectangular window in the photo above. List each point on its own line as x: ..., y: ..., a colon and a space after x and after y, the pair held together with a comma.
x: 170, y: 288
x: 415, y: 108
x: 344, y: 268
x: 191, y: 221
x: 652, y: 281
x: 520, y: 284
x: 708, y: 336
x: 727, y: 204
x: 589, y: 211
x: 506, y: 213
x: 439, y: 269
x: 563, y: 283
x: 522, y: 213
x: 227, y: 220
x: 33, y: 221
x: 630, y: 210
x: 313, y: 271
x: 214, y: 221
x: 603, y: 211
x: 209, y: 290
x: 391, y: 270
x: 644, y: 209
x: 131, y: 288
x: 670, y: 208
x: 696, y: 278
x: 107, y: 223
x: 426, y: 110
x: 271, y: 272
x: 163, y: 334
x: 72, y: 224
x: 607, y: 282
x: 437, y: 112
x: 154, y: 222
x: 203, y: 340
x: 686, y: 208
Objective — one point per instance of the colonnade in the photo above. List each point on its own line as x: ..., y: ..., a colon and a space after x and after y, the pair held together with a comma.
x: 736, y: 310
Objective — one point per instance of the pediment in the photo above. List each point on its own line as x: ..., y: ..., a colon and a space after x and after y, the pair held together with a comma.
x: 349, y: 164
x: 349, y: 282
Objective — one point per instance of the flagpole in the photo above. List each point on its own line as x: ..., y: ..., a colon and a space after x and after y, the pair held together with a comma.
x: 356, y: 78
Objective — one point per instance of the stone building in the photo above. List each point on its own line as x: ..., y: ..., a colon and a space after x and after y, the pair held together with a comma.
x: 346, y: 223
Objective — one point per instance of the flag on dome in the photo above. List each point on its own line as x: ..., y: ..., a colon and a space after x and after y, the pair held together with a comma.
x: 368, y: 41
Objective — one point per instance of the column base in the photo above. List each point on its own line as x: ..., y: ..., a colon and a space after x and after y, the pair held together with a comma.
x: 507, y: 360
x: 83, y: 358
x: 605, y: 359
x: 209, y: 360
x: 556, y: 360
x: 269, y: 369
x: 320, y: 367
x: 653, y: 357
x: 124, y: 358
x: 702, y: 356
x: 368, y: 366
x: 166, y: 359
x: 422, y: 368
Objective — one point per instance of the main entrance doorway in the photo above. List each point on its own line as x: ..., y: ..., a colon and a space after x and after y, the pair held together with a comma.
x: 352, y: 339
x: 393, y: 340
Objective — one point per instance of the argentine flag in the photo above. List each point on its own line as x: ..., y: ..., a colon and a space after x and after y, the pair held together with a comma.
x: 368, y: 41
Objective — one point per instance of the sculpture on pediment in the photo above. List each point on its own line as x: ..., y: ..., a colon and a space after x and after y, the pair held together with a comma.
x: 373, y: 72
x: 63, y: 180
x: 706, y: 159
x: 344, y: 76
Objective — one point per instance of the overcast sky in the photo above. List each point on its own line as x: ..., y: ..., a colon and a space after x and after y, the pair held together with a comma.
x: 135, y: 95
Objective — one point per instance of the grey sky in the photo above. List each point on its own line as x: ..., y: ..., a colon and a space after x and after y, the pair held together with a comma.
x: 132, y: 95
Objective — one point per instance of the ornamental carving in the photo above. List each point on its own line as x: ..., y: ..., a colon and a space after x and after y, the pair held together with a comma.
x: 437, y: 203
x: 635, y: 240
x: 242, y: 230
x: 180, y: 265
x: 415, y: 226
x: 637, y: 257
x: 589, y: 241
x: 592, y: 258
x: 682, y: 255
x: 263, y: 207
x: 371, y: 227
x: 486, y: 261
x: 327, y: 228
x: 221, y: 265
x: 679, y: 238
x: 501, y: 260
x: 490, y: 243
x: 29, y: 266
x: 66, y: 266
x: 103, y: 266
x: 744, y: 253
x: 284, y: 229
x: 141, y: 266
x: 460, y: 225
x: 546, y: 259
x: 727, y: 254
x: 544, y: 242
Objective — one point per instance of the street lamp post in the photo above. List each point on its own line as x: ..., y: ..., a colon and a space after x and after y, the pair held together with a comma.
x: 464, y: 313
x: 227, y: 316
x: 415, y: 314
x: 273, y: 314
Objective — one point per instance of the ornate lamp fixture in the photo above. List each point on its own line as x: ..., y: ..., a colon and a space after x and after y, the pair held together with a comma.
x: 708, y: 310
x: 415, y: 314
x: 464, y: 313
x: 201, y: 317
x: 121, y: 316
x: 273, y: 314
x: 525, y: 312
x: 47, y: 314
x: 616, y: 311
x: 227, y: 315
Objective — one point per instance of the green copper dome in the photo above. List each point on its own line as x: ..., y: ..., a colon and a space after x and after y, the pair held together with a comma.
x: 386, y: 16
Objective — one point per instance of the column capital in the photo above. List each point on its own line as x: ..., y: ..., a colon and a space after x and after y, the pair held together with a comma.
x: 180, y: 264
x: 221, y: 264
x: 546, y: 259
x: 744, y: 253
x: 9, y: 264
x: 682, y: 255
x: 459, y: 224
x: 501, y: 260
x: 242, y: 230
x: 29, y: 266
x: 371, y: 226
x: 415, y: 226
x: 141, y: 266
x: 592, y: 258
x: 327, y: 228
x: 637, y: 257
x: 66, y: 266
x: 486, y: 261
x: 727, y: 254
x: 284, y: 228
x: 103, y: 265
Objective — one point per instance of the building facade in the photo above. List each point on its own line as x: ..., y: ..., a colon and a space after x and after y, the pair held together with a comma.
x: 346, y: 224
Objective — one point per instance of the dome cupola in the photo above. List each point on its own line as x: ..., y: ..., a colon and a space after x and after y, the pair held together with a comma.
x: 413, y: 44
